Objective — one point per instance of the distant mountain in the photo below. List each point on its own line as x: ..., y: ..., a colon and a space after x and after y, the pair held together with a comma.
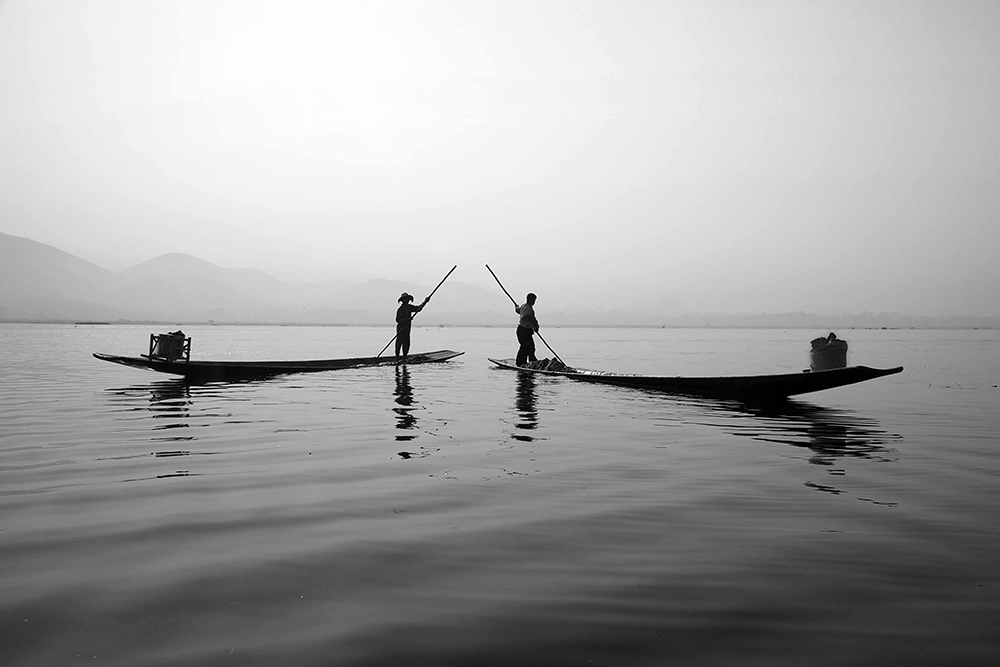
x: 182, y: 287
x: 37, y: 270
x: 40, y: 282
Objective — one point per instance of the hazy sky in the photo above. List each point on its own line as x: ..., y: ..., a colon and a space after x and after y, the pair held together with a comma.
x: 727, y: 156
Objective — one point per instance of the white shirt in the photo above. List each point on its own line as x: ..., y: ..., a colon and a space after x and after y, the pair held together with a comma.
x: 527, y: 312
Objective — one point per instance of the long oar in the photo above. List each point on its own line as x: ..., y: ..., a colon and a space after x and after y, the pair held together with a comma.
x: 515, y: 305
x: 414, y: 314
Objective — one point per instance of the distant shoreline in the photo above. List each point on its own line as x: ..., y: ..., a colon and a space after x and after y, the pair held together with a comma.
x: 939, y: 324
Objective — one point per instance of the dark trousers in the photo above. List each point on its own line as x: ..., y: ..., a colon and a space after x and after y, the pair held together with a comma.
x: 403, y: 339
x: 526, y: 352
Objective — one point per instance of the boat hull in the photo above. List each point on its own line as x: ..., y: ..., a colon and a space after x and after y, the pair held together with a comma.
x: 249, y: 370
x: 756, y: 386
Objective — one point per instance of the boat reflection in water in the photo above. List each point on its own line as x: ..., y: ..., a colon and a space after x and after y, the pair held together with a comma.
x: 173, y: 412
x: 830, y: 435
x: 526, y: 406
x: 169, y: 406
x: 169, y: 403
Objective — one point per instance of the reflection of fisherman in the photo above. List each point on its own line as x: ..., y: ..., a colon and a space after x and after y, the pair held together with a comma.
x: 404, y: 315
x: 526, y: 327
x: 526, y: 405
x: 405, y: 403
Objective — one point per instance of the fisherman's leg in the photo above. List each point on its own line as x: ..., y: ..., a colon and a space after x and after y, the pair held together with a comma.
x: 522, y: 349
x: 404, y: 341
x: 531, y: 347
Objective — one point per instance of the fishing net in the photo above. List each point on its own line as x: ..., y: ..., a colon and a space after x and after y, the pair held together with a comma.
x: 549, y: 365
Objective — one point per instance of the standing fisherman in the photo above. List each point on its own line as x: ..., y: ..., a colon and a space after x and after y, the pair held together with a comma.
x: 404, y: 316
x: 526, y: 327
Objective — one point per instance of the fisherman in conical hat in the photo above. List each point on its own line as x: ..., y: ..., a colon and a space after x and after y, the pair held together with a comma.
x: 404, y: 316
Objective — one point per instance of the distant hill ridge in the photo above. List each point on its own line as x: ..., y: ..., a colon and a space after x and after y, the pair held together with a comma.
x: 41, y: 283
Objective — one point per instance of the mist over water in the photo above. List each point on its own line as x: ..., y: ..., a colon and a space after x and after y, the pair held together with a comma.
x: 457, y: 513
x: 710, y: 157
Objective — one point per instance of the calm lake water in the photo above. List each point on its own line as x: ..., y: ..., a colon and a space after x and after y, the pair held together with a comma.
x: 459, y: 514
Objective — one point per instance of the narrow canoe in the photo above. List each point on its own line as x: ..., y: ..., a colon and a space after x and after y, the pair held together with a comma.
x: 756, y: 386
x: 249, y: 370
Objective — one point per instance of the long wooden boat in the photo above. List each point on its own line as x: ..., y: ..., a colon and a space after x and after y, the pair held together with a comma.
x: 756, y: 386
x: 199, y: 370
